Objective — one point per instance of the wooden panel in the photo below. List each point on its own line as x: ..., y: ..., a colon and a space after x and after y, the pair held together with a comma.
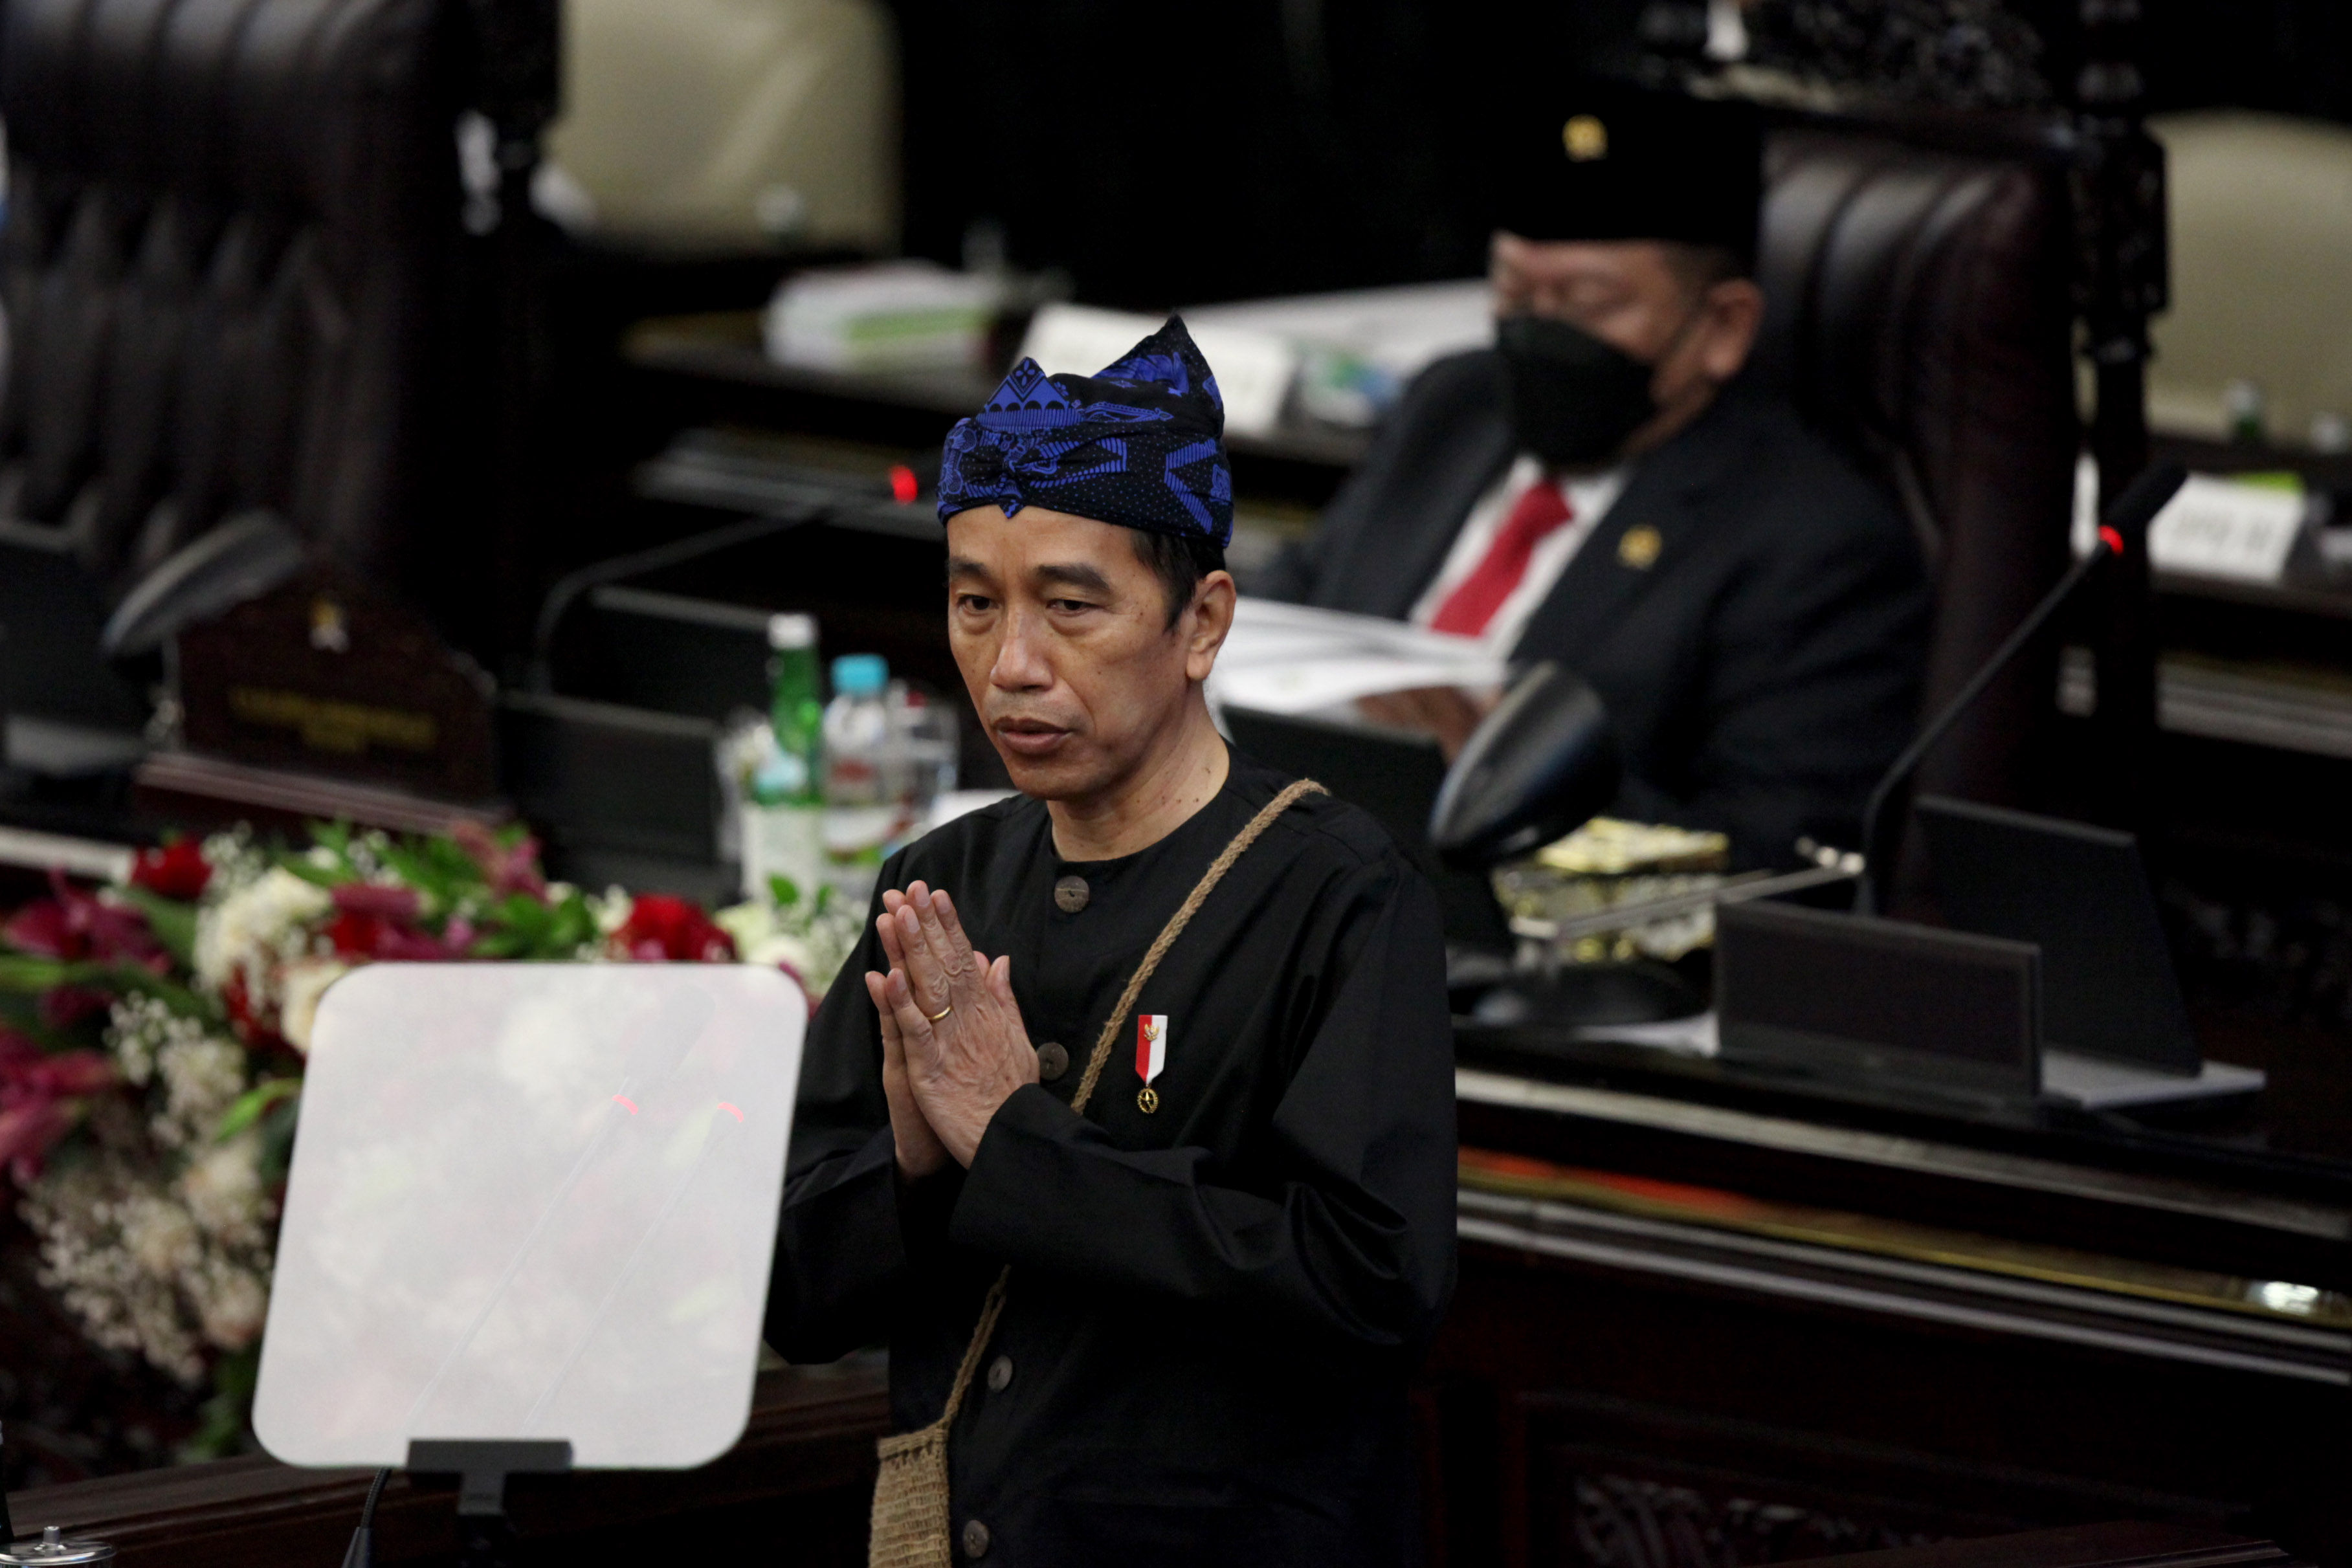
x: 793, y: 1491
x: 1650, y: 1421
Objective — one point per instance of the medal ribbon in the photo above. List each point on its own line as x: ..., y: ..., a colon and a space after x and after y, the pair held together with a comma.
x: 1151, y: 1045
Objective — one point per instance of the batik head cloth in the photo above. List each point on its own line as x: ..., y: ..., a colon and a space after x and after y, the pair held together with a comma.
x: 1139, y: 444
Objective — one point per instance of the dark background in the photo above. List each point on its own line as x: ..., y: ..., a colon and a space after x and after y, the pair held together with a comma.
x: 1166, y: 152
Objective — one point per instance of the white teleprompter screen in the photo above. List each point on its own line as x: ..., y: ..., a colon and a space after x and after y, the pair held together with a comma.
x: 531, y: 1201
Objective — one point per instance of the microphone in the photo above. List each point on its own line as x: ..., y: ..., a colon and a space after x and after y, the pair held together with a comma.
x: 1542, y: 764
x: 2125, y: 526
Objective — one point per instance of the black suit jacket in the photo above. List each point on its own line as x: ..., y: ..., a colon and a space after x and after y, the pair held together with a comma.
x: 1761, y: 670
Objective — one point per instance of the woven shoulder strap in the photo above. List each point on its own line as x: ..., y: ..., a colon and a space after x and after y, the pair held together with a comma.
x: 994, y: 1305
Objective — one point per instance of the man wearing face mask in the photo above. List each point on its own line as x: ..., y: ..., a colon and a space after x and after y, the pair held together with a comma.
x: 1606, y: 488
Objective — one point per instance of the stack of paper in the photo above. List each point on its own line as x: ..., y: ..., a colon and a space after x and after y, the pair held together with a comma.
x: 1345, y: 356
x: 1291, y: 659
x: 1357, y: 350
x: 895, y: 315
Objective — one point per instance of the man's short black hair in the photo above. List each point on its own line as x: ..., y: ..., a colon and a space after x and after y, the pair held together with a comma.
x: 1180, y: 562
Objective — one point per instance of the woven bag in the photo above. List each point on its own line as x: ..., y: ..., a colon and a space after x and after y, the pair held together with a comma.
x: 910, y: 1526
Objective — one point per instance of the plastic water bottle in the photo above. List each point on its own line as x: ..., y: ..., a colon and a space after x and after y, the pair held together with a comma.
x: 866, y: 794
x: 927, y: 729
x: 782, y: 813
x: 889, y: 751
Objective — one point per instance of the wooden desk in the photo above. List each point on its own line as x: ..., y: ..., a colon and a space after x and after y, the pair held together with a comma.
x: 794, y: 1491
x: 2123, y: 1546
x: 1697, y: 1311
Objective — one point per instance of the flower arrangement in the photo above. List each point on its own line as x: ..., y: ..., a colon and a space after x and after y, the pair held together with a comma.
x: 152, y: 1037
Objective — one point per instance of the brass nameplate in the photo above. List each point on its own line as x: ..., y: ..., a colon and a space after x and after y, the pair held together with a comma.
x: 327, y: 724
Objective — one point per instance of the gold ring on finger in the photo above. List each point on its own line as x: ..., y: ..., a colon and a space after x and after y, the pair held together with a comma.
x: 942, y: 1013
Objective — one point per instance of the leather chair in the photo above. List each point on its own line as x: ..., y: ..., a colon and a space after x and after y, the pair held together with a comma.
x: 1919, y: 312
x: 230, y: 231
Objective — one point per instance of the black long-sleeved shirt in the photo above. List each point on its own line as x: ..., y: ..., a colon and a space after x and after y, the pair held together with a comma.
x: 1214, y: 1307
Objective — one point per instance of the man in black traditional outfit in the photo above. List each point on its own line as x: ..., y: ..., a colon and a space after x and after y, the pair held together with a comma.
x: 1613, y: 487
x: 1216, y: 1275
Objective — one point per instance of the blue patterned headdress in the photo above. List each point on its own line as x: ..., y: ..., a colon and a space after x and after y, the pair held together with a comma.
x: 1139, y: 444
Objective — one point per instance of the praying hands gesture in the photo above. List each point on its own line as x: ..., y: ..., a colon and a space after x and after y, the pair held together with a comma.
x: 953, y: 1045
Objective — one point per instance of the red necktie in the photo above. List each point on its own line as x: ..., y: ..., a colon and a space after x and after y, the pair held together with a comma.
x: 1476, y: 597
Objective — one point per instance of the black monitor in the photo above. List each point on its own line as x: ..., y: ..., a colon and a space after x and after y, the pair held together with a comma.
x: 2080, y: 895
x: 1393, y: 776
x: 1878, y: 1005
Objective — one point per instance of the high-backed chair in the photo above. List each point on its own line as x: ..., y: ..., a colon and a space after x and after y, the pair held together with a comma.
x: 230, y: 231
x: 1919, y: 312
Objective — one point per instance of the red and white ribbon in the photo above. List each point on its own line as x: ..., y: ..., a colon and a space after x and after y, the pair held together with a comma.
x: 1151, y: 1046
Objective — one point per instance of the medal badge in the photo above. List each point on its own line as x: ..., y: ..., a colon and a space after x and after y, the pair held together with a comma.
x: 1150, y: 1056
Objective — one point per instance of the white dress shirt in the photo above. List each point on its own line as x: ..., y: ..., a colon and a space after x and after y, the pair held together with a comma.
x: 1589, y: 497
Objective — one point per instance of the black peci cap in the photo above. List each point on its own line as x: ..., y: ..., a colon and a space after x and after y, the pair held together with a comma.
x: 1607, y: 160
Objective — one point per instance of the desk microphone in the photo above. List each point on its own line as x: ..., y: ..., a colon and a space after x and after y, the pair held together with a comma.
x: 2124, y: 527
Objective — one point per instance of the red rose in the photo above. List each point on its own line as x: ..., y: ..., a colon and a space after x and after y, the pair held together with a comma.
x: 363, y: 934
x: 178, y: 870
x: 354, y: 935
x: 663, y: 928
x: 239, y: 1002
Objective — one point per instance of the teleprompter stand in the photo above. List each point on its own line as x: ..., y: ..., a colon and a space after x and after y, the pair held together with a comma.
x: 485, y: 1535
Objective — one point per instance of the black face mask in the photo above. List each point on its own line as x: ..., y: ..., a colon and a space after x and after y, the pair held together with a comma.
x: 1573, y: 398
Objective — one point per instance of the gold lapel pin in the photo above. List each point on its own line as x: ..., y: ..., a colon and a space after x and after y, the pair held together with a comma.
x: 1639, y: 546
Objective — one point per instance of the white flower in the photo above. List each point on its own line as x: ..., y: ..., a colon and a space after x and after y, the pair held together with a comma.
x: 366, y: 853
x: 232, y: 1303
x: 160, y: 1235
x: 87, y: 1215
x: 254, y: 930
x: 223, y: 1188
x: 814, y: 946
x: 235, y: 860
x: 202, y: 1078
x: 301, y: 985
x: 750, y: 924
x: 612, y: 911
x: 137, y: 1028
